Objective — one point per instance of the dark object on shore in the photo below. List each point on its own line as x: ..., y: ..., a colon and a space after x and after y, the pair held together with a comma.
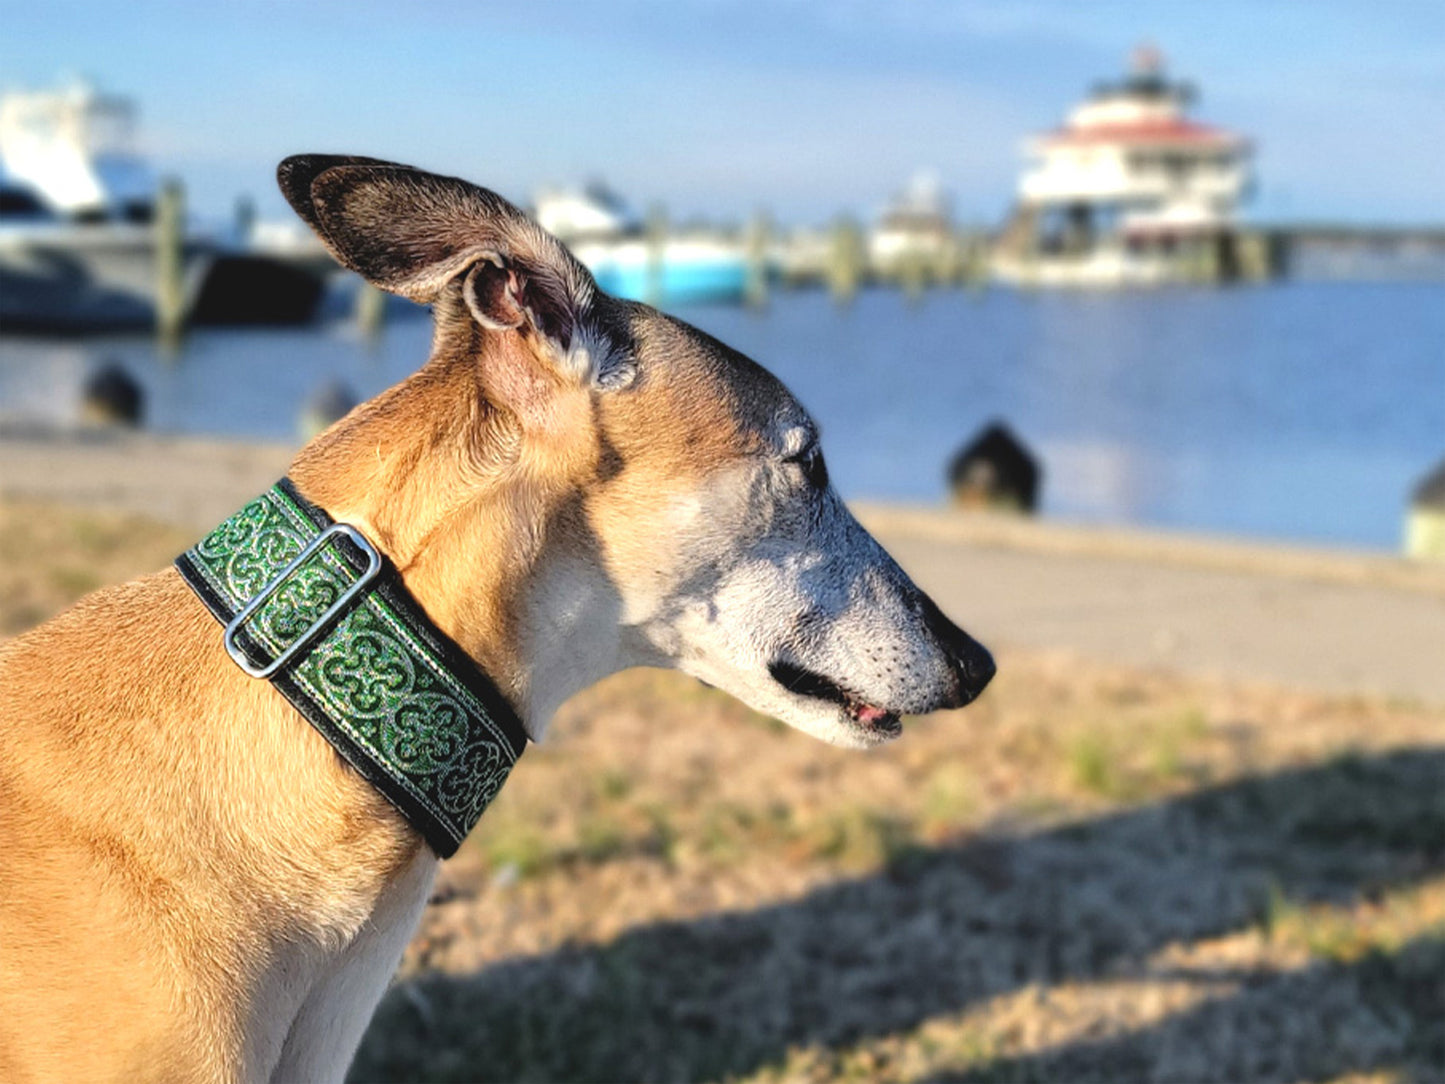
x: 995, y: 471
x: 1425, y: 521
x: 112, y: 397
x: 329, y: 403
x: 256, y: 290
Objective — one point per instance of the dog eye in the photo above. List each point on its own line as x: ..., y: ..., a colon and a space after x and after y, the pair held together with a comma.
x: 813, y: 467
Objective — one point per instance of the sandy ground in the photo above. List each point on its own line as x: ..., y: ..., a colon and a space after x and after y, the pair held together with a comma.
x: 1310, y: 619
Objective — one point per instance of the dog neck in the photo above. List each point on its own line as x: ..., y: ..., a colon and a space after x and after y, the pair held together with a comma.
x: 486, y: 541
x: 392, y: 693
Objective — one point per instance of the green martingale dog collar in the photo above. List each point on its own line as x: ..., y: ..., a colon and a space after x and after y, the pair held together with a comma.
x: 313, y: 607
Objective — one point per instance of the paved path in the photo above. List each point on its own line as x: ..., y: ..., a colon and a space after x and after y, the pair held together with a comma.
x: 197, y: 483
x: 1334, y: 622
x: 1338, y: 634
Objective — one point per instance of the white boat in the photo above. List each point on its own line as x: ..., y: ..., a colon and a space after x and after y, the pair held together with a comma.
x: 915, y: 228
x: 1128, y: 191
x: 76, y: 150
x: 78, y: 247
x: 692, y: 265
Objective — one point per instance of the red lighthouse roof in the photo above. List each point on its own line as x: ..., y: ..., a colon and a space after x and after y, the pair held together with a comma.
x: 1147, y: 131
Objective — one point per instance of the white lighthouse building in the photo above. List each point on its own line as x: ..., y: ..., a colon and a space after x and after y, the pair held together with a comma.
x: 1129, y: 190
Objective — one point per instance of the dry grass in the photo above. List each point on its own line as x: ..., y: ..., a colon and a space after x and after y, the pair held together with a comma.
x: 50, y: 557
x: 1094, y: 874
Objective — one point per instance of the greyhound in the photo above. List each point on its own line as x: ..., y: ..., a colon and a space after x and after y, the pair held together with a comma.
x: 196, y: 886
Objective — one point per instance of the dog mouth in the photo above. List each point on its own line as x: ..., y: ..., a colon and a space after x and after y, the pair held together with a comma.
x: 874, y: 722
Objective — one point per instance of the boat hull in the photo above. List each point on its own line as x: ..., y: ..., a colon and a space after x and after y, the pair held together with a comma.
x: 678, y: 284
x: 686, y: 271
x: 65, y: 276
x: 73, y: 277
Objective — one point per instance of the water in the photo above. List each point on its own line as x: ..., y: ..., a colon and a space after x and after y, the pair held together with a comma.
x: 1300, y: 411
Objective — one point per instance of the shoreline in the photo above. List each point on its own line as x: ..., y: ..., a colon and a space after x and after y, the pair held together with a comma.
x: 80, y: 468
x: 1195, y: 549
x: 1339, y: 622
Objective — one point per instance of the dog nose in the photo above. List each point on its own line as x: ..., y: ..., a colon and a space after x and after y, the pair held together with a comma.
x: 975, y: 668
x: 972, y: 663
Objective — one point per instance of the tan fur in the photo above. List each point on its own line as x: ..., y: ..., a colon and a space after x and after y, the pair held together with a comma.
x: 161, y: 840
x: 193, y: 885
x: 161, y: 843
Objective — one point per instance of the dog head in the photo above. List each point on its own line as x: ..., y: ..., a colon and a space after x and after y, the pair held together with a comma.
x: 575, y: 483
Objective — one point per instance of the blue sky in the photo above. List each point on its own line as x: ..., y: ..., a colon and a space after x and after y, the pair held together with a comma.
x: 716, y: 107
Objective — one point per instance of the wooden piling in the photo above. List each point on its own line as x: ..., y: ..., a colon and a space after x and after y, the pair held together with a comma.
x: 759, y: 241
x: 948, y: 268
x: 1260, y: 255
x: 656, y: 252
x: 973, y: 246
x: 1205, y: 261
x: 245, y: 219
x: 845, y: 259
x: 370, y: 310
x: 170, y: 240
x: 912, y: 275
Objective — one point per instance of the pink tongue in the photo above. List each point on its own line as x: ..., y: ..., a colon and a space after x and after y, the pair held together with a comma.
x: 867, y: 713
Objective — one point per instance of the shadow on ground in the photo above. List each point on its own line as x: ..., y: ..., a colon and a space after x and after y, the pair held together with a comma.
x: 1385, y: 1011
x: 940, y: 930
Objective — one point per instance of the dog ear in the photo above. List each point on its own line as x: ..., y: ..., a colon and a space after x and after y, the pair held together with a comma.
x: 296, y: 173
x: 413, y: 233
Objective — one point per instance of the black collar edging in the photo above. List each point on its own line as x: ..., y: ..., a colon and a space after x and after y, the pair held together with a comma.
x: 392, y: 693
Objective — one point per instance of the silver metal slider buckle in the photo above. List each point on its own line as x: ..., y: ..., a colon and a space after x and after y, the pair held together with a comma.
x: 373, y: 569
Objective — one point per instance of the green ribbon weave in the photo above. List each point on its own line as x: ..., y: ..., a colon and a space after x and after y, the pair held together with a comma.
x: 381, y: 683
